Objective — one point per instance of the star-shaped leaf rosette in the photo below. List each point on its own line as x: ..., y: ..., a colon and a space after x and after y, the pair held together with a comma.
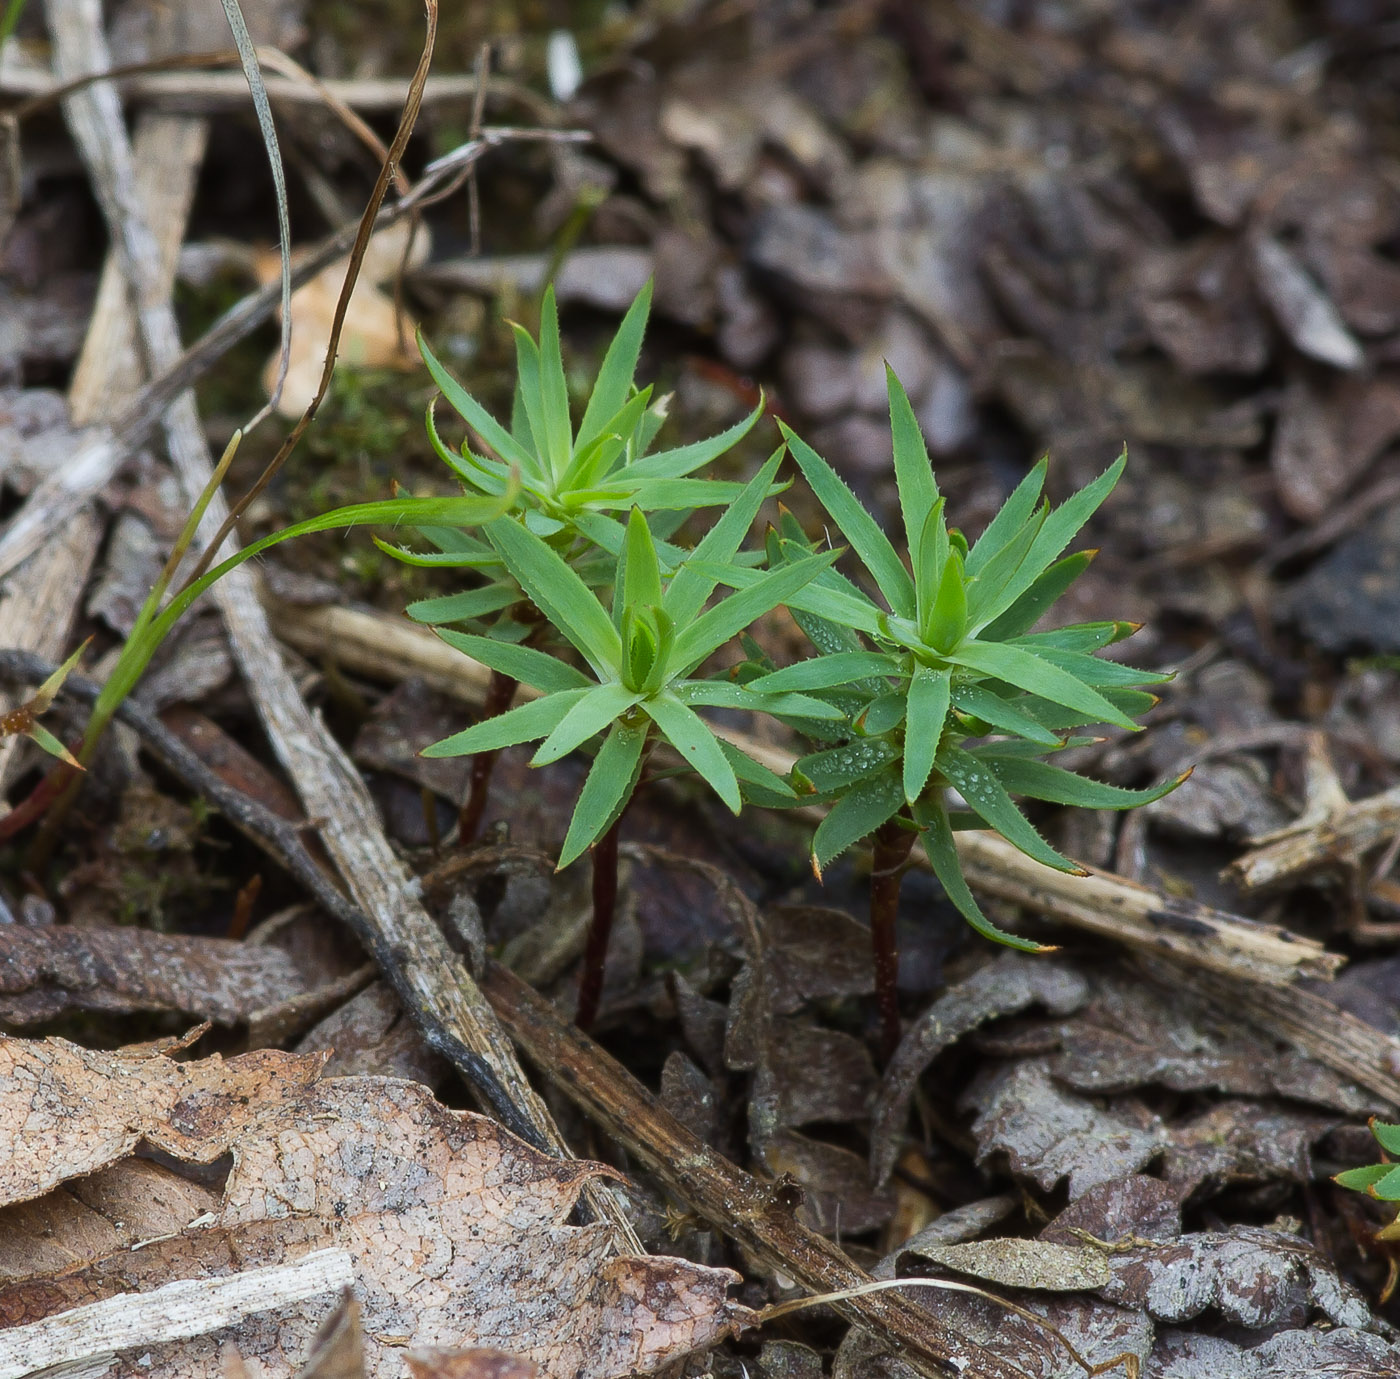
x: 570, y: 486
x: 569, y: 483
x: 640, y: 686
x: 949, y: 694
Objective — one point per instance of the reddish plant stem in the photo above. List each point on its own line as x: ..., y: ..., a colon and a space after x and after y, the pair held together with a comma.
x: 590, y: 982
x: 498, y: 696
x: 893, y: 844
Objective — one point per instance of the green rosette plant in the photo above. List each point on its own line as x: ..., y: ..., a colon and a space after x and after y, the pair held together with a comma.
x: 950, y: 696
x: 567, y: 486
x: 639, y: 686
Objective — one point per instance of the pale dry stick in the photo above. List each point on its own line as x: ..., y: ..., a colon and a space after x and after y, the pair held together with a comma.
x: 54, y: 502
x: 86, y: 1338
x: 386, y: 647
x: 330, y: 788
x: 212, y: 93
x: 1340, y: 839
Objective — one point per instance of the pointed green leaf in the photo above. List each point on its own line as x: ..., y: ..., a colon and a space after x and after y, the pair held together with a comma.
x: 1387, y: 1189
x: 40, y: 736
x: 657, y: 495
x: 1363, y: 1179
x: 1057, y: 531
x: 686, y: 594
x: 727, y: 694
x: 1038, y: 599
x: 642, y: 581
x: 560, y: 594
x: 730, y: 616
x: 605, y: 793
x: 1084, y: 637
x: 471, y: 603
x: 947, y: 618
x: 913, y: 471
x: 1057, y: 718
x: 833, y: 770
x: 759, y: 785
x: 475, y: 415
x: 533, y: 719
x: 1387, y: 1136
x: 686, y: 731
x: 825, y: 672
x: 1091, y: 670
x: 1036, y: 675
x: 857, y: 813
x: 685, y: 459
x: 1010, y: 518
x: 982, y: 703
x: 930, y: 561
x: 618, y: 369
x: 814, y: 598
x: 987, y: 798
x: 1039, y: 780
x: 594, y: 459
x: 554, y: 389
x: 586, y: 719
x: 857, y: 525
x: 924, y: 719
x: 487, y: 476
x: 523, y: 663
x: 942, y: 853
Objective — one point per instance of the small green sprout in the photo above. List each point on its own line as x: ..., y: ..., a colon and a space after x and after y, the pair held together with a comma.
x: 640, y: 686
x: 23, y: 720
x: 945, y: 686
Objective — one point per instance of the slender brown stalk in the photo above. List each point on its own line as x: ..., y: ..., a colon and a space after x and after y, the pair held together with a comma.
x: 893, y: 844
x: 498, y: 696
x: 590, y: 982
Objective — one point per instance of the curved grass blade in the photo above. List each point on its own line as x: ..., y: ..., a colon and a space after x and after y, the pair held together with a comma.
x: 475, y: 415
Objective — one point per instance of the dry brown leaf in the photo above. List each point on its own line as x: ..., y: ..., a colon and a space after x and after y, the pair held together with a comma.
x: 371, y: 337
x: 47, y: 971
x: 452, y: 1231
x: 66, y: 1111
x: 478, y: 1363
x: 96, y: 1216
